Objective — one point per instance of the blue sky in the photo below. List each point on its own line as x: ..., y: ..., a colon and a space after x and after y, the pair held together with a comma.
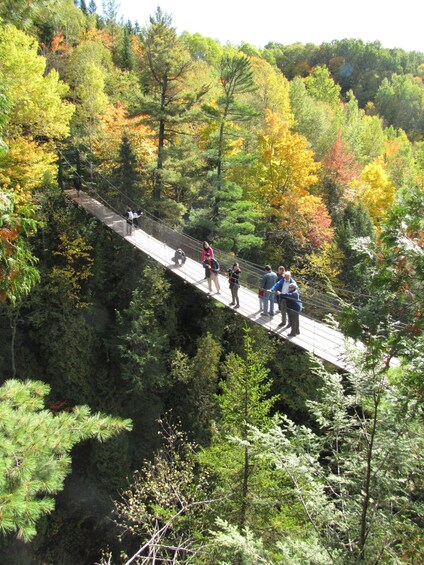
x: 394, y: 23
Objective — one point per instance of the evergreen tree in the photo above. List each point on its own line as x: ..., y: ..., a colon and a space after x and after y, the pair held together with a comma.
x: 168, y: 100
x: 35, y: 452
x: 145, y: 331
x: 236, y: 79
x: 357, y: 476
x: 244, y: 402
x: 126, y: 174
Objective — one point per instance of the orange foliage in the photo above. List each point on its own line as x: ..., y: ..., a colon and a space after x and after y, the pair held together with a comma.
x: 340, y: 165
x: 113, y: 124
x: 306, y: 218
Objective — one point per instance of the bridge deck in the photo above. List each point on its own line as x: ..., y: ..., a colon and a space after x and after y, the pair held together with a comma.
x: 317, y: 338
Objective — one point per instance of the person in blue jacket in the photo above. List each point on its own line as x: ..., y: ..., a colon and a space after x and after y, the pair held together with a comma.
x: 294, y: 307
x: 282, y: 287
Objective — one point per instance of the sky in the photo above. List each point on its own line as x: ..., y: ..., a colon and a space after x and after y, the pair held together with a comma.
x: 395, y: 23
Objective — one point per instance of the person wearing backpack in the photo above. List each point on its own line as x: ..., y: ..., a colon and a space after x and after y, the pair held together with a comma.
x: 211, y: 267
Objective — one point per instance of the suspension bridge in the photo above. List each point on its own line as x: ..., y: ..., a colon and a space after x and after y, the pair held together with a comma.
x: 159, y: 242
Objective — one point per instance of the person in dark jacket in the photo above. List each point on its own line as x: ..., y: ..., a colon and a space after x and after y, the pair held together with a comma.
x: 211, y: 266
x: 234, y: 279
x: 180, y: 257
x: 294, y: 307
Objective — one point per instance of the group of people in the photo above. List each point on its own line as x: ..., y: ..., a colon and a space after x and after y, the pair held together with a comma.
x: 132, y: 216
x: 281, y: 289
x: 275, y: 288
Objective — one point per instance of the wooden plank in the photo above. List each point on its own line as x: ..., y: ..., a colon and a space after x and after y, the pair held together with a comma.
x: 317, y: 338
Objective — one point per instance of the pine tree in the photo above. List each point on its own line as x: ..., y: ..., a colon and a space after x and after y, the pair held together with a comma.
x: 357, y: 475
x: 35, y: 452
x: 168, y: 101
x: 244, y: 402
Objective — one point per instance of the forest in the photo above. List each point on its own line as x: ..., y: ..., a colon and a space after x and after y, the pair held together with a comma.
x: 142, y: 423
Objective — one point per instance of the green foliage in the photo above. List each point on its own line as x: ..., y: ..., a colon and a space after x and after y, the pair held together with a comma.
x: 231, y: 546
x: 350, y: 476
x: 322, y: 87
x: 239, y: 477
x: 238, y: 220
x: 236, y: 79
x: 35, y: 452
x: 400, y: 100
x: 168, y: 101
x: 392, y: 270
x: 199, y: 374
x: 164, y: 507
x: 144, y: 336
x: 316, y: 119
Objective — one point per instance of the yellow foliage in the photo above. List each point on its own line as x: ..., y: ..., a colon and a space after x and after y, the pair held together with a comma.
x: 77, y: 268
x: 324, y: 264
x: 286, y: 164
x: 38, y: 107
x: 375, y: 189
x: 273, y: 89
x: 26, y: 165
x: 113, y: 123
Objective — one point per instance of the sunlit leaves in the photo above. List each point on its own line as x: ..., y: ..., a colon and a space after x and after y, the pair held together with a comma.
x: 37, y: 108
x: 286, y: 164
x: 376, y: 190
x: 17, y: 264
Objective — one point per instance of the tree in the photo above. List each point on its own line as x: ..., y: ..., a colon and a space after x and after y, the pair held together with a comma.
x: 89, y: 64
x: 285, y: 165
x: 38, y: 108
x: 18, y: 273
x: 144, y: 338
x: 35, y: 451
x: 168, y: 100
x: 244, y: 402
x: 376, y: 190
x: 199, y: 376
x: 363, y: 135
x: 339, y: 169
x: 321, y: 86
x: 315, y: 119
x: 164, y: 508
x: 400, y: 101
x: 126, y: 172
x: 237, y: 221
x: 236, y: 79
x: 358, y: 474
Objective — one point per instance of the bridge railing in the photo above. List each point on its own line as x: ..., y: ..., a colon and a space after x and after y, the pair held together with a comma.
x: 317, y: 302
